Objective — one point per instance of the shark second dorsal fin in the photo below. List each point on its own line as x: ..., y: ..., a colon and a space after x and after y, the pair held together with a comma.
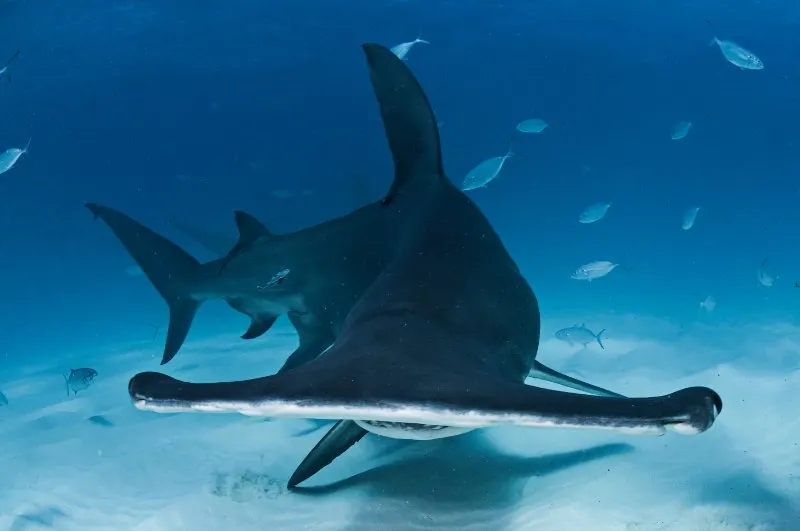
x: 408, y: 119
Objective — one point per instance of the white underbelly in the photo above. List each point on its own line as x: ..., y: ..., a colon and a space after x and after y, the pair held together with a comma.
x: 408, y: 430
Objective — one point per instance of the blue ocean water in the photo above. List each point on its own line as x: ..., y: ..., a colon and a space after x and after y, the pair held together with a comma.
x: 185, y: 111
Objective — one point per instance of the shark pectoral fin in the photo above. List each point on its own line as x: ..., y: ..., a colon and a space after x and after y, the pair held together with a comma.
x: 541, y: 371
x: 259, y: 324
x: 302, y: 355
x: 171, y: 270
x: 314, y: 340
x: 338, y: 440
x: 408, y: 120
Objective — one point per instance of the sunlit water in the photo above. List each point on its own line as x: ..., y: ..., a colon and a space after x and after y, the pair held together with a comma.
x: 179, y: 112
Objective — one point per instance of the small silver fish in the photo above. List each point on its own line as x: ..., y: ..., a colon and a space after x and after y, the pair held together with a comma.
x: 134, y: 271
x: 764, y: 278
x: 709, y: 304
x: 10, y: 157
x: 593, y: 213
x: 680, y: 130
x: 485, y: 172
x: 580, y: 334
x: 3, y: 399
x: 276, y: 279
x: 282, y: 194
x: 736, y: 55
x: 79, y: 379
x: 594, y: 270
x: 4, y: 71
x: 689, y: 217
x: 402, y: 49
x: 534, y: 125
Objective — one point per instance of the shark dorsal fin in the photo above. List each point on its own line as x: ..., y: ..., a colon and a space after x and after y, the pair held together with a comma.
x: 250, y: 229
x: 408, y: 119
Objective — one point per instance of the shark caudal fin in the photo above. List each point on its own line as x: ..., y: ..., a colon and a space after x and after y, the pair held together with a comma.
x: 599, y: 338
x: 171, y: 270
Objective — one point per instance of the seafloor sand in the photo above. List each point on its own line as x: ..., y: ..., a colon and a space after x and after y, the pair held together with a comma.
x: 227, y: 472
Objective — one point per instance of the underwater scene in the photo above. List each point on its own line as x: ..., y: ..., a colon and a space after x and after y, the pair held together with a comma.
x: 400, y: 265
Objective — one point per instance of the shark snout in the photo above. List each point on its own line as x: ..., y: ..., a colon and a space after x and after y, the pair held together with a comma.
x: 700, y: 406
x: 150, y: 386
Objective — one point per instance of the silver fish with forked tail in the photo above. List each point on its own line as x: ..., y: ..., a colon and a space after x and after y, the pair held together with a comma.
x: 581, y: 335
x: 79, y: 379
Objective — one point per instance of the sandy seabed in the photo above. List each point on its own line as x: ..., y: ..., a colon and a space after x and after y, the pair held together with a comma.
x: 93, y: 461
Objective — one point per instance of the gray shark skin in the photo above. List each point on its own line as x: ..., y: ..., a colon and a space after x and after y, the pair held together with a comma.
x: 331, y: 265
x: 442, y: 340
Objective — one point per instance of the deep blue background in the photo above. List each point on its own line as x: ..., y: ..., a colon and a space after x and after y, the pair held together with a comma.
x: 189, y: 109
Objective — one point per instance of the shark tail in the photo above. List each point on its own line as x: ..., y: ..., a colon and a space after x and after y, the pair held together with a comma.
x: 599, y: 338
x: 171, y: 270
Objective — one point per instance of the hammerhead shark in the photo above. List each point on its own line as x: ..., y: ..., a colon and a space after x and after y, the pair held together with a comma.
x: 443, y: 337
x: 331, y: 265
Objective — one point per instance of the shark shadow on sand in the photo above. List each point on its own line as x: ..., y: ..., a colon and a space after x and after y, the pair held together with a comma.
x: 456, y: 483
